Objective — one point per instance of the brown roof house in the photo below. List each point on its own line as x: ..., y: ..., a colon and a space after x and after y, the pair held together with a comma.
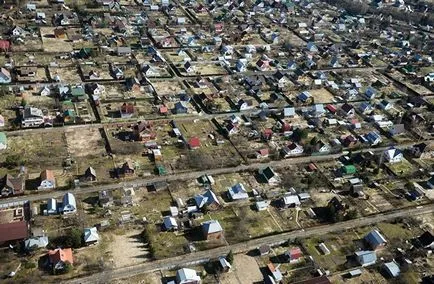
x: 47, y: 180
x: 59, y: 258
x: 11, y: 186
x: 90, y: 174
x: 127, y: 169
x: 212, y: 230
x: 12, y: 233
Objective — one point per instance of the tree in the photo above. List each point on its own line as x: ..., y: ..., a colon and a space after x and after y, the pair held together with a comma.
x: 73, y: 238
x: 230, y: 257
x: 300, y: 134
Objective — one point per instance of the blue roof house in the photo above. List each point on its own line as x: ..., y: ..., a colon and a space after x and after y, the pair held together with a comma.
x: 375, y: 240
x: 366, y: 258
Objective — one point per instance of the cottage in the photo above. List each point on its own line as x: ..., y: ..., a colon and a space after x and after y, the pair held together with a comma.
x: 224, y: 264
x: 47, y: 180
x: 169, y: 223
x: 127, y: 169
x: 3, y: 141
x: 375, y: 240
x: 91, y: 236
x: 373, y: 138
x: 59, y: 258
x: 304, y: 97
x: 123, y: 51
x: 294, y: 254
x: 208, y: 199
x: 426, y: 240
x: 237, y: 192
x: 35, y: 243
x: 275, y: 272
x: 391, y: 269
x: 10, y: 185
x: 290, y: 201
x: 264, y: 250
x: 13, y: 233
x: 347, y: 110
x: 212, y: 230
x: 69, y: 206
x: 180, y: 108
x: 5, y: 76
x: 194, y: 143
x: 393, y: 155
x: 261, y: 205
x: 127, y: 110
x: 32, y: 117
x: 366, y: 258
x: 51, y: 207
x: 292, y: 149
x: 2, y: 121
x: 90, y: 174
x: 269, y: 175
x: 187, y: 276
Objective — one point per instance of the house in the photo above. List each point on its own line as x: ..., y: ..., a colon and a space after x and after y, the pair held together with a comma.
x: 237, y: 192
x: 322, y: 147
x: 275, y: 272
x: 311, y: 47
x: 13, y: 233
x: 426, y: 240
x: 224, y: 264
x: 348, y: 170
x: 396, y: 129
x: 241, y: 65
x: 393, y: 155
x: 385, y: 104
x: 292, y: 149
x: 188, y: 67
x: 391, y: 269
x: 318, y: 110
x: 194, y: 143
x: 212, y: 230
x: 370, y: 93
x: 261, y: 205
x: 51, y: 207
x: 69, y: 206
x: 264, y: 250
x: 47, y: 180
x: 60, y: 33
x: 169, y: 223
x: 267, y: 174
x: 365, y: 108
x: 373, y: 138
x: 2, y: 121
x: 127, y: 110
x: 180, y: 108
x: 289, y: 112
x: 208, y: 199
x: 91, y: 236
x: 5, y: 76
x: 123, y: 51
x: 127, y: 169
x: 32, y: 117
x: 90, y: 174
x: 3, y: 141
x: 375, y: 240
x: 280, y: 79
x: 187, y: 276
x: 10, y: 186
x: 262, y: 65
x: 290, y: 201
x: 262, y: 153
x: 304, y: 97
x: 347, y: 110
x: 5, y: 45
x: 35, y: 243
x: 59, y: 258
x: 294, y: 254
x: 366, y: 258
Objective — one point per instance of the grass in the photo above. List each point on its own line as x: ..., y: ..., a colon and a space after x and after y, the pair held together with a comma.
x: 395, y: 232
x: 151, y: 206
x: 402, y: 168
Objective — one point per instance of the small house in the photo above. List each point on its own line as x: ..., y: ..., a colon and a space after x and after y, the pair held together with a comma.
x: 169, y: 223
x: 426, y: 240
x: 393, y: 155
x: 13, y: 233
x: 187, y: 276
x: 127, y: 169
x: 348, y: 170
x: 366, y: 258
x: 90, y: 174
x: 51, y: 206
x: 269, y: 175
x: 375, y: 240
x: 264, y: 250
x: 35, y: 243
x: 290, y: 201
x: 212, y: 230
x: 347, y: 110
x: 105, y: 198
x: 224, y: 264
x: 47, y: 180
x: 275, y: 272
x: 69, y: 206
x: 237, y: 192
x: 391, y: 269
x: 59, y: 258
x: 208, y: 199
x: 10, y: 185
x: 194, y: 143
x: 261, y: 205
x: 294, y: 254
x: 91, y: 236
x: 324, y: 249
x: 3, y: 141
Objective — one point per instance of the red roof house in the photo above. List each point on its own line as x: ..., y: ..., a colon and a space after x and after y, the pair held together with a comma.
x: 59, y: 257
x: 194, y: 143
x: 331, y: 108
x: 4, y: 45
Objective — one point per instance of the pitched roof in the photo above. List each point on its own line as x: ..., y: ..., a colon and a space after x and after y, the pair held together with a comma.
x: 211, y: 226
x: 58, y: 255
x: 91, y: 235
x: 374, y: 238
x: 13, y: 231
x: 47, y: 175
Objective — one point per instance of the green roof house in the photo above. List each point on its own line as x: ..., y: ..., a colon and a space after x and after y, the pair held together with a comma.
x: 349, y: 170
x: 161, y: 170
x: 3, y: 141
x: 78, y: 93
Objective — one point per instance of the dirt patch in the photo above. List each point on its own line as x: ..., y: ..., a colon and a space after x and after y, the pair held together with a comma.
x: 245, y: 270
x: 128, y: 249
x: 84, y: 142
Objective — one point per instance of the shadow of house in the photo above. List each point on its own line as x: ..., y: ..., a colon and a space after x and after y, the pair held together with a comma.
x: 32, y: 184
x: 125, y: 136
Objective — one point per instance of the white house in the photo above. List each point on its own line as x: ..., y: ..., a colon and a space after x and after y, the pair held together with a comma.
x: 69, y: 206
x: 187, y: 276
x: 269, y: 175
x: 91, y: 235
x: 3, y: 141
x: 237, y: 192
x: 393, y: 155
x: 292, y: 149
x: 47, y: 180
x: 290, y: 200
x: 51, y: 206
